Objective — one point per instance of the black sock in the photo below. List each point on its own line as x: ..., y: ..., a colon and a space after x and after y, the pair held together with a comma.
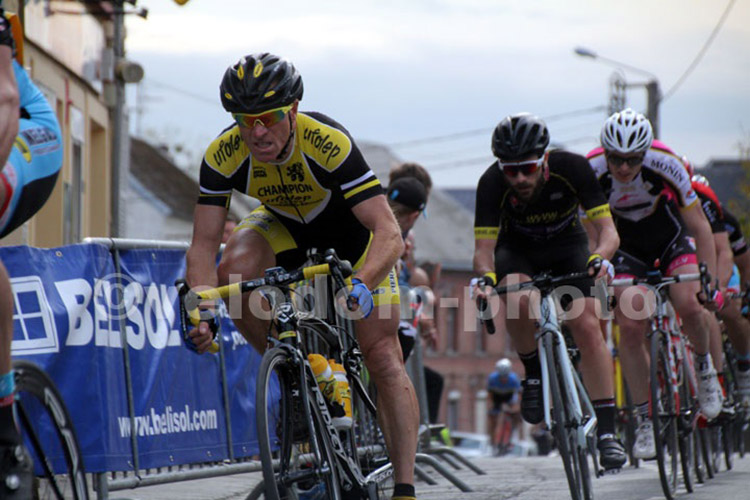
x: 605, y: 416
x: 531, y: 364
x: 404, y: 490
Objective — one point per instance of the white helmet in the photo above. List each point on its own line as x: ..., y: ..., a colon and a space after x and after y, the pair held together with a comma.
x: 627, y: 132
x: 701, y: 179
x: 504, y: 367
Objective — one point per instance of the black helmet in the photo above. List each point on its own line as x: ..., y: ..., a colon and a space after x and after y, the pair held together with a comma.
x: 520, y: 135
x: 259, y: 82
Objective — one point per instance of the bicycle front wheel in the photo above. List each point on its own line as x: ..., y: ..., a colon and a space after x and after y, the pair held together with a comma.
x: 58, y: 462
x: 664, y: 416
x: 296, y: 453
x: 565, y: 433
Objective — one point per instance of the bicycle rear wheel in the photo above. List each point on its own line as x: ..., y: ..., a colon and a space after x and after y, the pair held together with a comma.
x: 664, y: 417
x: 296, y: 453
x: 565, y: 432
x: 58, y: 462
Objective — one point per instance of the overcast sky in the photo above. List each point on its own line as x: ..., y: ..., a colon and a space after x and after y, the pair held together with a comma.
x: 403, y: 73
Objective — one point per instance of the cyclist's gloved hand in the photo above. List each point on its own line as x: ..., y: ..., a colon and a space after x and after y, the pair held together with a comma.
x: 362, y: 296
x: 717, y: 299
x: 477, y: 285
x: 190, y: 326
x: 596, y: 262
x: 195, y: 333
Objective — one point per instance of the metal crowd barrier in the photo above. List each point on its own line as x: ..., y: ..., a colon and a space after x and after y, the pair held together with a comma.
x: 106, y: 482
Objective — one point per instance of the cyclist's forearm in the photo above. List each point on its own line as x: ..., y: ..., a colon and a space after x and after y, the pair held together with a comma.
x: 201, y: 268
x: 607, y: 239
x: 484, y: 256
x: 385, y: 249
x: 9, y: 105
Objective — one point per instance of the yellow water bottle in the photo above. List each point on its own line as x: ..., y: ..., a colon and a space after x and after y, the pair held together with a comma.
x: 326, y: 383
x: 345, y: 395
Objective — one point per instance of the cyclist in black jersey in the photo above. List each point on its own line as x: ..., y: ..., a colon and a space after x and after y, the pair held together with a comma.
x: 316, y: 191
x: 656, y: 212
x: 527, y: 222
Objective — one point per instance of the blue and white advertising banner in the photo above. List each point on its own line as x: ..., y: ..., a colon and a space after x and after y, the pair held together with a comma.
x: 70, y: 307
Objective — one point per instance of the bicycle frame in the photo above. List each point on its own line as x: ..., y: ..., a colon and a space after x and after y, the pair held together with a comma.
x: 572, y: 384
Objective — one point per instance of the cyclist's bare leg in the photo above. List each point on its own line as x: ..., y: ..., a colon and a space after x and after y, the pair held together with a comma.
x: 714, y: 339
x: 632, y: 317
x: 738, y: 327
x: 398, y: 412
x: 522, y: 310
x: 246, y: 256
x: 596, y: 360
x: 694, y: 320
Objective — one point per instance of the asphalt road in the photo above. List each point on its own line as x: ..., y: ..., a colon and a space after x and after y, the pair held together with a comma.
x: 531, y: 478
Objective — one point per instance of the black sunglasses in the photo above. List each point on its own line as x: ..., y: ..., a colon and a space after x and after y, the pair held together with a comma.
x: 632, y: 161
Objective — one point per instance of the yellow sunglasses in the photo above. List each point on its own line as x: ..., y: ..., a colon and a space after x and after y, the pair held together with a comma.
x: 266, y: 119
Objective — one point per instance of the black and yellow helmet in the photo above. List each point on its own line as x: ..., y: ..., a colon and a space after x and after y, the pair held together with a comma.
x: 259, y: 82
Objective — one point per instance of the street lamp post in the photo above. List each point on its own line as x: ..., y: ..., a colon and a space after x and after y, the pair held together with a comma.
x: 653, y: 92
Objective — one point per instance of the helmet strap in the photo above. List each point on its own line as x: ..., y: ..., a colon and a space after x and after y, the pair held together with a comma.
x: 282, y: 154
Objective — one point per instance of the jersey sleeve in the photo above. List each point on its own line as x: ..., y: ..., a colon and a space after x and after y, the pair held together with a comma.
x: 330, y: 145
x: 221, y: 169
x: 357, y: 181
x: 589, y: 191
x: 713, y: 214
x: 488, y: 205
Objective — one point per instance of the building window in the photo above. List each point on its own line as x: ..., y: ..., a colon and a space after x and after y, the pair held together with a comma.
x: 75, y: 187
x: 454, y: 398
x: 480, y: 345
x: 74, y: 196
x: 451, y: 339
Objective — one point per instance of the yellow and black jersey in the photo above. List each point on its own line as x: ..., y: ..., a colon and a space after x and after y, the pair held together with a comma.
x: 554, y: 211
x: 311, y: 194
x: 325, y: 173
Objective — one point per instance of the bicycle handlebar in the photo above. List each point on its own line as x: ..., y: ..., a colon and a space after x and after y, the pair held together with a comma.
x: 339, y: 269
x: 542, y: 281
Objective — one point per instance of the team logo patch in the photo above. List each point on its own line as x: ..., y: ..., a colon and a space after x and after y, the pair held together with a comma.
x: 21, y: 145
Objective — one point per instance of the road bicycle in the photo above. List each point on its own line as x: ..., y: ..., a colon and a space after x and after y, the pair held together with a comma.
x: 672, y: 382
x: 48, y: 435
x: 301, y: 450
x: 568, y: 411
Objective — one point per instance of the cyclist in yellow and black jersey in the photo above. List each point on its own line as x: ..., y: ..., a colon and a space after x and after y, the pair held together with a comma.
x: 316, y: 191
x: 309, y: 195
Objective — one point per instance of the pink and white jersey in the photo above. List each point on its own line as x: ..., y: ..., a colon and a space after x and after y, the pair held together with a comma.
x: 649, y: 205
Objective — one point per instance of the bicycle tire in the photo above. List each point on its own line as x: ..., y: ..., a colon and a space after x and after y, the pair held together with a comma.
x: 727, y: 443
x: 629, y: 423
x: 706, y: 452
x: 564, y: 434
x: 686, y: 429
x: 39, y: 405
x: 304, y: 461
x: 664, y: 417
x: 699, y: 466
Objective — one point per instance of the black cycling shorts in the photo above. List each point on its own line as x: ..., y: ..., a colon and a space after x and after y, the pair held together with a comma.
x: 680, y: 251
x: 557, y: 256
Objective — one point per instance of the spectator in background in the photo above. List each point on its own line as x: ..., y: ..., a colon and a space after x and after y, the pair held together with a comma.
x: 407, y: 195
x: 414, y: 170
